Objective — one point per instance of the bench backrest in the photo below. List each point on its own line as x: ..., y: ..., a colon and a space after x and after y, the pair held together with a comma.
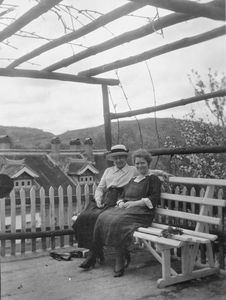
x: 195, y: 203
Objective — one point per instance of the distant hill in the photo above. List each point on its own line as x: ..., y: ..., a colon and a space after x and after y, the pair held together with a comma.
x: 126, y: 132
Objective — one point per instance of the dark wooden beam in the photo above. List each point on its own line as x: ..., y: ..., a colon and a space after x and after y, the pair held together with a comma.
x: 107, y: 119
x: 185, y: 42
x: 99, y: 22
x: 126, y: 37
x: 213, y: 10
x: 188, y: 150
x: 55, y: 76
x: 29, y: 16
x: 220, y: 93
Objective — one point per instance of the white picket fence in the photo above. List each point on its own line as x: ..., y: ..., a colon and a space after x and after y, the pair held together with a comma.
x: 43, y: 220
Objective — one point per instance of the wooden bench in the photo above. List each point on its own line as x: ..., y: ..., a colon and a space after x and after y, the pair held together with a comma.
x: 194, y: 206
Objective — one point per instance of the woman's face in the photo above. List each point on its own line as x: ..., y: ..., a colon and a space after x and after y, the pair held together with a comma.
x: 120, y: 161
x: 141, y: 165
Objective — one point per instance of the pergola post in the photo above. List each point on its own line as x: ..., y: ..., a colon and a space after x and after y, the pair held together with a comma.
x: 107, y: 119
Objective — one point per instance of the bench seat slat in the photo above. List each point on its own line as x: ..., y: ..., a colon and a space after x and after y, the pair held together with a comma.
x: 188, y: 216
x: 183, y: 237
x: 211, y: 237
x: 157, y: 239
x: 193, y: 199
x: 198, y: 181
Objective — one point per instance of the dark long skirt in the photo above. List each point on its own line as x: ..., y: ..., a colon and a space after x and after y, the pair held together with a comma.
x: 115, y: 226
x: 85, y: 223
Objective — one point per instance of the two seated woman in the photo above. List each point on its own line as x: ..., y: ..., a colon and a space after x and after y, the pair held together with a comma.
x: 135, y: 207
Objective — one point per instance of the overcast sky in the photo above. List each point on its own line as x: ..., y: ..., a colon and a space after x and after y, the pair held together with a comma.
x: 56, y: 106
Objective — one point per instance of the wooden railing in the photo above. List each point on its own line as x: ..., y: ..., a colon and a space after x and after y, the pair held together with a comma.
x: 42, y: 220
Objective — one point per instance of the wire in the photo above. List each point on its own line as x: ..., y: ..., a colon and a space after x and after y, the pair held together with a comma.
x: 114, y: 106
x: 127, y: 101
x: 154, y: 94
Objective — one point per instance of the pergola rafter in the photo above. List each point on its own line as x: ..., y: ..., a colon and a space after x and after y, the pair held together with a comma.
x: 99, y: 22
x: 213, y: 10
x: 185, y: 42
x: 182, y: 10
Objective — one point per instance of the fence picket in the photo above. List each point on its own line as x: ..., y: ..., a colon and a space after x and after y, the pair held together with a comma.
x: 13, y: 220
x: 43, y: 215
x: 69, y: 212
x: 52, y: 220
x: 2, y: 223
x: 79, y: 200
x: 23, y: 218
x: 61, y: 213
x: 33, y: 217
x: 86, y: 192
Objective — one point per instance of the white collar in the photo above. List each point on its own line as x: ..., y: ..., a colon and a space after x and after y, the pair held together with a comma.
x: 140, y: 177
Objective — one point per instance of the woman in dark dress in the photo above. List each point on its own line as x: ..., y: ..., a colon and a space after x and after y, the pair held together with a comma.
x: 115, y: 226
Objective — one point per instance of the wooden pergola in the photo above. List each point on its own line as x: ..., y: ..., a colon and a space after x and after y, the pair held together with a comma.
x: 182, y: 10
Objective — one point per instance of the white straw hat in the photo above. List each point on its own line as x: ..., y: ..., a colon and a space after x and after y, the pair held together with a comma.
x: 117, y: 150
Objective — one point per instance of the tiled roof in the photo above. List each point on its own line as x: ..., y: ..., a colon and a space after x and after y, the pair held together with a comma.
x: 49, y: 173
x: 77, y: 167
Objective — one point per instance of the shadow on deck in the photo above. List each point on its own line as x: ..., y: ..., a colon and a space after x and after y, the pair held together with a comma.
x: 44, y: 278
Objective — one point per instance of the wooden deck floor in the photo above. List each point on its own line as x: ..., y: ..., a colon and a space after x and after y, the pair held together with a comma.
x: 44, y: 278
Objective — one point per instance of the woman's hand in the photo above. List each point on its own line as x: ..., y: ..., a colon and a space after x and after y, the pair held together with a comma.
x: 129, y: 204
x: 99, y: 204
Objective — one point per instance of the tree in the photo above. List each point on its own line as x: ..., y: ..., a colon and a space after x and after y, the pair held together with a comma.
x: 195, y: 132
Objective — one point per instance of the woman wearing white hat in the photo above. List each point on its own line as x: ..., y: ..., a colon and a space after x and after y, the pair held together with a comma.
x: 106, y: 195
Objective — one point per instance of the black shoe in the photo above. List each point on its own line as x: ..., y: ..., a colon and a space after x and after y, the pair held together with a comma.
x: 88, y: 263
x: 127, y: 259
x: 119, y: 273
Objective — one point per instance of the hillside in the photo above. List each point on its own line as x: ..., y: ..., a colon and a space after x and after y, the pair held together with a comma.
x: 126, y: 132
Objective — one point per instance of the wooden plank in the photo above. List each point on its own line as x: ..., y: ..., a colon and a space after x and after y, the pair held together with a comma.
x: 86, y: 194
x: 13, y: 220
x: 157, y: 256
x: 37, y: 234
x: 213, y: 9
x: 156, y: 239
x: 188, y: 216
x: 28, y: 17
x: 97, y: 23
x: 78, y: 199
x: 211, y: 237
x: 126, y: 37
x: 2, y: 224
x: 70, y: 213
x: 198, y: 181
x: 107, y: 120
x: 55, y: 76
x: 52, y: 214
x: 23, y: 218
x: 193, y: 199
x: 33, y: 217
x: 181, y: 278
x: 61, y: 213
x: 166, y: 264
x: 183, y: 238
x: 43, y: 215
x: 185, y: 42
x: 172, y: 104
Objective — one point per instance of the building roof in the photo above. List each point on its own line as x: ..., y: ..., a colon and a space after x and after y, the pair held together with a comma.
x: 49, y: 174
x: 78, y: 168
x: 14, y: 171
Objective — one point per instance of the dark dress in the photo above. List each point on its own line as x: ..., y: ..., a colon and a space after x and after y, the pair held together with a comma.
x: 115, y: 226
x: 85, y: 223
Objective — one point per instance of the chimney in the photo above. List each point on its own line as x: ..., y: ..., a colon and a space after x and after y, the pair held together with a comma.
x: 55, y: 148
x: 88, y: 147
x: 76, y: 145
x: 5, y: 142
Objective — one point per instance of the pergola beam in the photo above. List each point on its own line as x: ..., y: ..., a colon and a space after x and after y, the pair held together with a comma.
x: 188, y: 150
x: 56, y: 76
x: 99, y: 22
x: 213, y: 10
x: 126, y: 37
x: 220, y: 93
x: 185, y: 42
x: 32, y: 14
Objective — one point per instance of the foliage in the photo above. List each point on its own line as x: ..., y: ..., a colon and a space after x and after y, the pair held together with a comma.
x: 196, y: 132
